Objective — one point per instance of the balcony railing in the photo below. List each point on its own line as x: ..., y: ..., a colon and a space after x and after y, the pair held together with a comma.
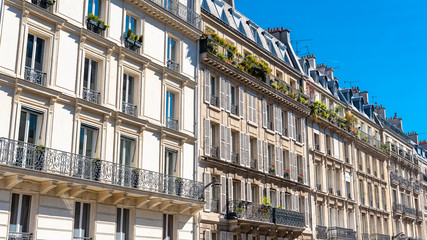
x: 82, y: 238
x: 365, y: 236
x: 417, y: 188
x: 234, y: 157
x: 234, y: 109
x: 317, y: 147
x: 378, y: 236
x: 270, y: 125
x: 46, y: 160
x: 419, y: 214
x: 35, y: 76
x: 321, y: 232
x: 253, y: 163
x: 173, y: 65
x: 285, y: 133
x: 331, y: 190
x: 341, y: 233
x: 129, y: 108
x: 20, y: 236
x: 409, y: 211
x: 319, y: 187
x: 394, y: 178
x: 397, y: 208
x: 46, y: 4
x: 214, y: 100
x: 267, y: 214
x: 180, y: 10
x: 214, y: 152
x: 214, y: 205
x: 91, y: 95
x: 171, y: 123
x: 403, y: 182
x: 338, y: 192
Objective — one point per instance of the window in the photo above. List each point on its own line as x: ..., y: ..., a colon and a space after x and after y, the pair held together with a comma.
x: 252, y: 107
x: 288, y: 201
x: 213, y: 132
x: 284, y: 124
x: 122, y: 224
x: 29, y: 126
x: 172, y: 53
x: 370, y: 195
x: 320, y: 215
x: 171, y: 118
x: 171, y: 162
x: 214, y: 91
x: 328, y: 145
x: 298, y: 126
x: 168, y: 228
x: 234, y: 100
x: 19, y: 214
x: 270, y: 155
x: 270, y: 116
x: 128, y: 95
x: 126, y: 160
x: 81, y: 220
x: 316, y: 142
x: 300, y: 165
x: 364, y: 230
x: 87, y: 141
x: 94, y: 7
x: 362, y: 200
x: 90, y: 80
x: 131, y: 24
x: 377, y: 202
x: 34, y: 62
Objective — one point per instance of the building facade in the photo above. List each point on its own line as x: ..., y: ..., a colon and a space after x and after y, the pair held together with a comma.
x: 99, y: 119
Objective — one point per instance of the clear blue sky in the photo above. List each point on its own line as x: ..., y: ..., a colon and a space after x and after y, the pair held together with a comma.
x: 380, y: 44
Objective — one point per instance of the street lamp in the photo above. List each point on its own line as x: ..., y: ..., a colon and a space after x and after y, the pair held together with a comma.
x: 214, y: 183
x: 396, y: 236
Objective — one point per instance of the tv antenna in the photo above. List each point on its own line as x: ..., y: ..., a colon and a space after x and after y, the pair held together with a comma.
x: 351, y: 82
x: 296, y: 42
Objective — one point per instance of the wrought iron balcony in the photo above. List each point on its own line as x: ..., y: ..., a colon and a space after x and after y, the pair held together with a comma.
x: 409, y: 211
x: 338, y: 192
x: 365, y: 236
x: 347, y: 160
x: 91, y: 95
x: 234, y: 157
x: 341, y: 233
x: 394, y: 178
x: 20, y: 236
x: 253, y: 163
x: 321, y: 232
x: 234, y: 109
x: 171, y: 123
x: 129, y: 108
x: 214, y: 100
x: 173, y: 65
x: 251, y: 211
x: 397, y: 208
x: 319, y: 187
x: 349, y: 195
x: 378, y: 236
x: 299, y: 139
x: 417, y: 188
x: 328, y: 152
x: 317, y: 147
x: 35, y: 76
x: 288, y: 218
x: 46, y: 160
x: 331, y: 190
x: 403, y: 182
x: 46, y: 4
x: 214, y: 152
x: 214, y: 205
x: 181, y: 11
x: 133, y: 43
x: 409, y: 185
x: 419, y: 214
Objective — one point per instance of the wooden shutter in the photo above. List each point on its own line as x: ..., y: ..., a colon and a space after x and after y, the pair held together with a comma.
x: 241, y: 101
x: 294, y: 127
x: 242, y: 149
x: 293, y: 166
x: 249, y: 107
x: 206, y: 74
x: 290, y: 124
x: 207, y: 235
x: 248, y: 192
x: 304, y: 170
x: 259, y: 152
x: 247, y: 151
x: 222, y: 88
x: 276, y: 159
x: 207, y: 136
x: 208, y: 191
x: 227, y: 96
x: 222, y: 199
x: 307, y: 214
x: 260, y: 193
x: 264, y: 113
x: 267, y: 194
x: 230, y: 189
x: 336, y: 147
x: 283, y: 202
x: 242, y: 190
x: 265, y: 154
x: 302, y: 130
x: 223, y: 143
x: 275, y: 117
x: 254, y: 109
x: 278, y: 204
x: 279, y: 167
x: 228, y: 144
x: 279, y: 120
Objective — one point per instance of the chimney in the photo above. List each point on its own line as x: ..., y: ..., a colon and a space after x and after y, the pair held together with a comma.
x: 311, y: 60
x: 282, y: 34
x: 397, y: 122
x: 321, y: 68
x: 355, y: 90
x: 365, y: 96
x: 423, y: 144
x: 380, y: 110
x: 413, y: 136
x: 329, y: 72
x: 230, y: 2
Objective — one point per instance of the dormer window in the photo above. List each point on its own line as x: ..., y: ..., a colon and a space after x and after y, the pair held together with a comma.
x: 237, y: 17
x: 254, y: 31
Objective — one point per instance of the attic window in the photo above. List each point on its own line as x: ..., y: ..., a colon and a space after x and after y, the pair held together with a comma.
x: 254, y: 31
x: 237, y: 17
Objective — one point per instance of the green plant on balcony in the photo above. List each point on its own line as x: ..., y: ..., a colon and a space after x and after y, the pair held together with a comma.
x: 385, y: 147
x: 275, y: 86
x: 133, y: 39
x: 271, y: 169
x: 351, y: 122
x: 256, y: 67
x: 135, y: 177
x: 318, y: 109
x: 40, y: 154
x: 300, y: 178
x: 287, y: 173
x: 95, y: 21
x: 302, y: 99
x: 280, y: 207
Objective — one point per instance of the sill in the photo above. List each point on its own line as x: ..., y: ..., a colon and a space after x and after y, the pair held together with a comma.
x: 215, y: 108
x: 285, y: 137
x: 235, y: 116
x: 269, y: 131
x: 299, y: 144
x: 252, y: 124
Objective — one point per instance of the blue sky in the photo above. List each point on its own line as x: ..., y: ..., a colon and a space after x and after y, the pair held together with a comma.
x: 379, y: 45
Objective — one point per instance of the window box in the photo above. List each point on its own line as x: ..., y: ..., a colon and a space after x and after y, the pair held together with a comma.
x: 95, y: 24
x: 43, y: 3
x: 133, y: 41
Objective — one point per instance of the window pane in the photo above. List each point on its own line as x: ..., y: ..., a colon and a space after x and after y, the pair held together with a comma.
x: 25, y: 213
x: 81, y: 140
x: 32, y: 129
x: 77, y: 220
x: 14, y: 213
x: 118, y: 223
x: 86, y: 73
x: 125, y: 78
x: 30, y: 44
x: 86, y: 220
x: 130, y: 89
x: 170, y: 227
x: 93, y: 75
x: 89, y: 143
x: 22, y: 124
x: 38, y: 64
x: 125, y: 224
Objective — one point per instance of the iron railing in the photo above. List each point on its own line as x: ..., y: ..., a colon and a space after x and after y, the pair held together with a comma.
x: 46, y: 4
x: 394, y: 178
x: 214, y: 152
x: 419, y: 214
x: 285, y: 133
x: 341, y: 233
x: 403, y: 182
x: 321, y: 232
x: 173, y: 65
x: 214, y: 205
x: 234, y: 109
x: 91, y: 95
x: 317, y: 147
x: 20, y: 236
x: 417, y: 188
x: 319, y: 187
x: 171, y: 123
x: 129, y: 108
x: 35, y: 76
x: 46, y: 160
x: 234, y: 157
x: 365, y: 236
x: 263, y: 213
x: 181, y: 11
x: 214, y: 100
x: 397, y: 208
x: 378, y: 236
x: 253, y: 163
x: 409, y: 211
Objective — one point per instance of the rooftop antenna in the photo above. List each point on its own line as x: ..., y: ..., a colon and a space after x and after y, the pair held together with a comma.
x: 296, y: 42
x: 351, y: 82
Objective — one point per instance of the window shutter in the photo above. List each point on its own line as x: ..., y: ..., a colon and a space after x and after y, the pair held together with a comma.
x: 264, y: 113
x: 260, y: 193
x: 279, y: 120
x: 249, y: 107
x: 279, y: 167
x: 289, y: 124
x: 223, y: 144
x: 207, y: 137
x: 241, y: 101
x: 248, y: 151
x: 276, y: 159
x: 259, y: 152
x: 242, y: 190
x: 248, y: 192
x: 228, y: 144
x: 306, y: 208
x: 222, y: 200
x: 254, y: 109
x: 336, y: 147
x: 294, y: 127
x: 283, y: 203
x: 304, y: 170
x: 278, y: 204
x: 302, y: 130
x: 242, y: 149
x: 208, y: 191
x: 222, y: 88
x: 229, y: 236
x: 208, y: 235
x: 249, y: 236
x: 293, y: 167
x: 228, y: 96
x: 261, y: 237
x: 230, y: 189
x: 275, y: 127
x: 293, y: 203
x: 265, y: 153
x: 267, y: 194
x: 207, y: 85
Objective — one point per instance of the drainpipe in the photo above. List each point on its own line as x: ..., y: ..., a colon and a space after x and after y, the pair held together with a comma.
x: 310, y: 224
x: 196, y: 134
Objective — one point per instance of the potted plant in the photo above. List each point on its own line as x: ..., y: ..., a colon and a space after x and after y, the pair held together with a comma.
x: 138, y: 43
x: 92, y: 19
x: 178, y: 185
x: 271, y: 169
x: 287, y: 173
x: 96, y: 169
x: 40, y: 154
x: 265, y: 206
x: 102, y: 25
x: 135, y: 177
x: 300, y: 178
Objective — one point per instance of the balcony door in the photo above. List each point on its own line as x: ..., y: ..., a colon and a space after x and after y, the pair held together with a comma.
x: 81, y: 221
x: 35, y: 53
x: 20, y: 216
x: 172, y: 50
x: 128, y: 91
x: 126, y: 159
x: 94, y: 7
x: 28, y: 135
x: 172, y: 181
x: 170, y: 110
x: 90, y: 81
x: 87, y: 150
